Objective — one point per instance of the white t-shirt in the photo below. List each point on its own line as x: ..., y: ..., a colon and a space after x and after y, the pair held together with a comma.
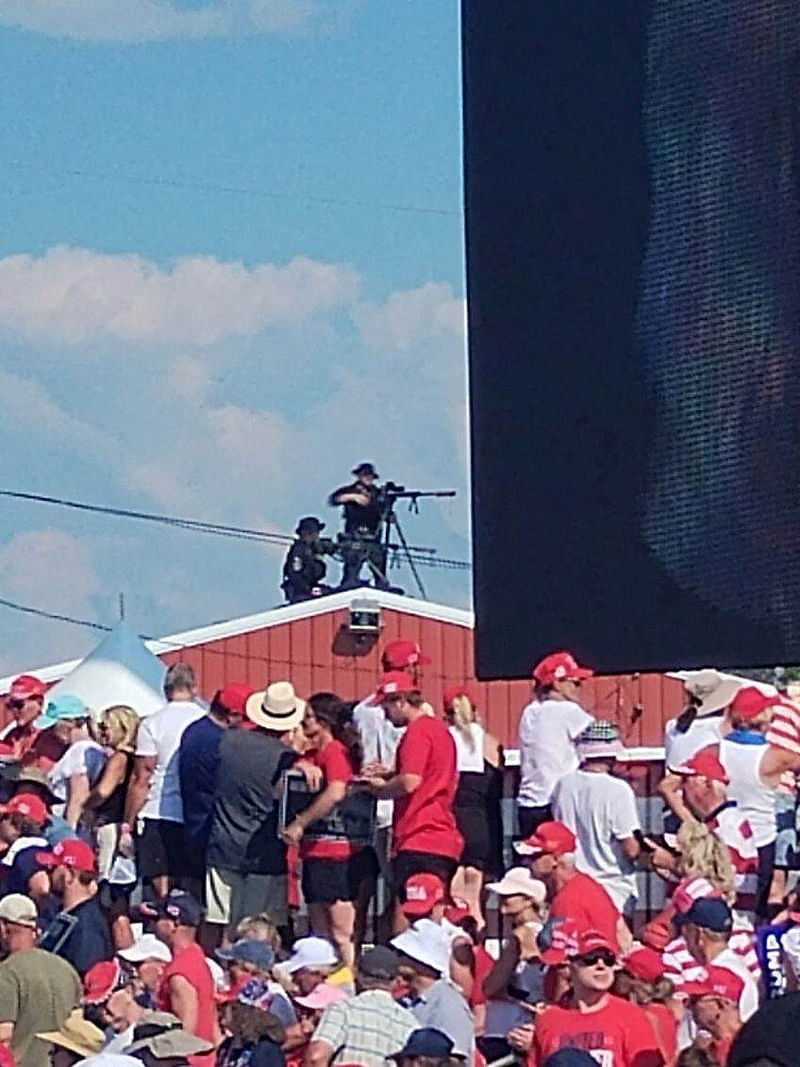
x: 754, y: 800
x: 379, y: 740
x: 82, y: 757
x: 601, y: 811
x: 547, y: 733
x: 680, y: 747
x: 160, y: 737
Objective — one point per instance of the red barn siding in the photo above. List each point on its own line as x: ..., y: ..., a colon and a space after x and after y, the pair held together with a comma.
x: 303, y: 650
x: 316, y: 653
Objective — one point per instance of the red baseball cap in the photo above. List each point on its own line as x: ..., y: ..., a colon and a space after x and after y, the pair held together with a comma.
x: 718, y: 982
x: 563, y: 938
x: 558, y: 667
x: 645, y: 964
x: 27, y: 804
x: 100, y: 981
x: 71, y: 852
x: 589, y: 941
x: 422, y: 893
x: 750, y: 702
x: 704, y: 765
x: 393, y: 684
x: 454, y: 691
x: 26, y: 686
x: 400, y: 654
x: 234, y: 696
x: 551, y: 839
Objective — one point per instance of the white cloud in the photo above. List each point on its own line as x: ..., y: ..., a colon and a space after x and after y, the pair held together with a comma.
x: 30, y: 405
x: 407, y: 318
x: 132, y: 21
x: 74, y: 296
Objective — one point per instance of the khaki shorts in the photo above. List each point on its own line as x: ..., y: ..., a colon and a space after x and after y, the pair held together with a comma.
x: 231, y: 896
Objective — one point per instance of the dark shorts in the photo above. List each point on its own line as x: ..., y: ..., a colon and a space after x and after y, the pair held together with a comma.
x: 473, y: 825
x: 530, y: 819
x: 407, y: 863
x: 326, y: 881
x: 162, y: 851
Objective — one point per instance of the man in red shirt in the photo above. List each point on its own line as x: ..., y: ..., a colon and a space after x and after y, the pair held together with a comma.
x: 186, y: 988
x: 615, y: 1032
x: 423, y: 786
x: 25, y: 701
x: 572, y: 895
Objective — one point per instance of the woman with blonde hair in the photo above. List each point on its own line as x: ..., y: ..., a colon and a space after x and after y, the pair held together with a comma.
x: 115, y: 728
x: 477, y: 804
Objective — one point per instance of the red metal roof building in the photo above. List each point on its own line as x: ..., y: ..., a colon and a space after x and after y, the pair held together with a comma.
x: 310, y: 644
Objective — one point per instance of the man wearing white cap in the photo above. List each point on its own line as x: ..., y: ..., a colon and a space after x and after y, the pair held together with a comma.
x: 37, y: 989
x: 435, y: 1000
x: 148, y: 956
x: 246, y: 859
x: 601, y: 811
x: 312, y: 962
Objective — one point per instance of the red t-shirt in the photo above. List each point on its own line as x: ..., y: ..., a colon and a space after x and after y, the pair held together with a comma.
x: 617, y: 1035
x: 584, y: 900
x: 21, y: 740
x: 424, y: 821
x: 335, y: 763
x: 191, y: 964
x: 665, y: 1027
x: 46, y: 750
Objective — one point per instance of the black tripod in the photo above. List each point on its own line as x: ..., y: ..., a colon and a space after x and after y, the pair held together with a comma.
x: 391, y: 494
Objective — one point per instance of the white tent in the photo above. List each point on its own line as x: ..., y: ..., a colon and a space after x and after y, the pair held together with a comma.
x: 121, y: 670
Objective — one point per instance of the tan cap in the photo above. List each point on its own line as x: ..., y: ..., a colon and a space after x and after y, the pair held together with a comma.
x: 18, y: 909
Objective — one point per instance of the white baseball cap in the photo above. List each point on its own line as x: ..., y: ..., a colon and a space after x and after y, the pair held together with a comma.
x: 18, y: 909
x: 311, y: 953
x: 519, y: 882
x: 146, y: 947
x: 427, y: 943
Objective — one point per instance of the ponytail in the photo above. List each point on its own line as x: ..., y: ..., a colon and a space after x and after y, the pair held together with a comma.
x: 337, y: 716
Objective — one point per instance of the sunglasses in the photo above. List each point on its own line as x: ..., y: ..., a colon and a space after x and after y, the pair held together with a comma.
x: 15, y: 705
x: 603, y: 956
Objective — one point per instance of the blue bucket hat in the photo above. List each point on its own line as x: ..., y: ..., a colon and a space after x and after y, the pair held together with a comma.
x: 65, y: 706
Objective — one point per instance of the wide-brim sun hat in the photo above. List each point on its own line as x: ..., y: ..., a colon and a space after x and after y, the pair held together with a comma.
x: 518, y: 881
x: 277, y: 707
x: 77, y: 1035
x: 713, y: 690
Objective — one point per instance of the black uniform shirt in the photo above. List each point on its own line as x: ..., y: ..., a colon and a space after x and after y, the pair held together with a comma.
x: 358, y: 519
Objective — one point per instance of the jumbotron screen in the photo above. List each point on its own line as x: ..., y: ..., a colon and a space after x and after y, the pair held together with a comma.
x: 633, y: 262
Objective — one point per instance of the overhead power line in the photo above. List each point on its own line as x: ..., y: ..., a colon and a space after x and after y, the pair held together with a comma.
x: 192, y: 185
x: 242, y: 533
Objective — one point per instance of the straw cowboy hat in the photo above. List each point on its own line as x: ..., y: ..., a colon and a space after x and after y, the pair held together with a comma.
x: 77, y: 1035
x: 711, y: 690
x: 277, y: 707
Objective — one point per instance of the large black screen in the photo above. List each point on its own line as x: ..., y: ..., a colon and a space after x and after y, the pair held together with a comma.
x: 633, y: 260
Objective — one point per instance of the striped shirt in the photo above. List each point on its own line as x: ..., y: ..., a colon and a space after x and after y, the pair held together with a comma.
x: 365, y: 1029
x: 680, y: 966
x: 784, y: 728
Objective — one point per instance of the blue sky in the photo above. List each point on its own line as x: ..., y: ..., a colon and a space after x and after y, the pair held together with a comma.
x: 210, y: 302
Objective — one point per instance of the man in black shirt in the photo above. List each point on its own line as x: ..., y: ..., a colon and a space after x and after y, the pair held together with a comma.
x: 304, y: 567
x: 80, y: 932
x: 246, y: 859
x: 363, y: 522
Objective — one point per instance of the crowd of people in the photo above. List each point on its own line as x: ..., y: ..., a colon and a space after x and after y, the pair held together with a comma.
x: 270, y: 880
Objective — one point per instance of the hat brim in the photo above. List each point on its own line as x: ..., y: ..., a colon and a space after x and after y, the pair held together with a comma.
x: 260, y: 716
x: 417, y: 909
x: 55, y: 1037
x: 522, y: 848
x: 172, y: 1043
x: 509, y: 890
x: 600, y: 750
